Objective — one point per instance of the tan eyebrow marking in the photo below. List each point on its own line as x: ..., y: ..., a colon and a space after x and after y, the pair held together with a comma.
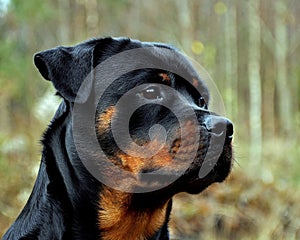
x: 195, y: 82
x: 165, y: 77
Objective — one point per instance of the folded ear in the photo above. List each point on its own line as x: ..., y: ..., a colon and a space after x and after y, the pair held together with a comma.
x: 66, y: 68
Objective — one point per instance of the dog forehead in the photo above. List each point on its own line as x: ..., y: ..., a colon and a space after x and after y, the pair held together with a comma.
x: 164, y: 56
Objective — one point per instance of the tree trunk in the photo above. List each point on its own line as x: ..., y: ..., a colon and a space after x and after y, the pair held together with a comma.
x: 184, y: 16
x: 283, y: 91
x: 231, y: 97
x: 92, y: 18
x: 64, y: 15
x: 254, y: 83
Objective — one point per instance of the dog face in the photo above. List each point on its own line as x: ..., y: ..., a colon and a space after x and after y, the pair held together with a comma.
x: 169, y: 162
x: 168, y: 132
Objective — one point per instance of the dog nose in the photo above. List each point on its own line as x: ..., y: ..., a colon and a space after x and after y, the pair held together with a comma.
x: 220, y: 127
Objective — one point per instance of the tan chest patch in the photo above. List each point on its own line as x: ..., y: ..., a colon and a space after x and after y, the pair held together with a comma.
x: 118, y: 221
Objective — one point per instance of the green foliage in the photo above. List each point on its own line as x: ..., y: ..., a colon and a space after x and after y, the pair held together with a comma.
x: 32, y: 11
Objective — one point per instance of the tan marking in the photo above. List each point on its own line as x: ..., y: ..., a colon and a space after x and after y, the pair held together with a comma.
x: 118, y: 219
x: 167, y: 156
x: 165, y: 77
x: 104, y: 120
x: 135, y: 164
x: 195, y: 82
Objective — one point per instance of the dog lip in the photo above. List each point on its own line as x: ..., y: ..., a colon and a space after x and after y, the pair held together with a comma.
x: 150, y: 170
x: 229, y: 139
x: 162, y: 179
x: 218, y: 173
x: 196, y: 184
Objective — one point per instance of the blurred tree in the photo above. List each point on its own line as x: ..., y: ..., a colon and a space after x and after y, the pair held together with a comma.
x: 255, y: 107
x: 231, y: 64
x: 250, y: 48
x: 282, y: 83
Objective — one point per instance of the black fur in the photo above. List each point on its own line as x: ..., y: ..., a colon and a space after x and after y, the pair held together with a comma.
x: 65, y: 199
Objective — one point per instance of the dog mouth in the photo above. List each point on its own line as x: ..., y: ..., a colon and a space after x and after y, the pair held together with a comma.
x: 192, y: 176
x: 213, y: 169
x: 213, y: 161
x: 193, y: 155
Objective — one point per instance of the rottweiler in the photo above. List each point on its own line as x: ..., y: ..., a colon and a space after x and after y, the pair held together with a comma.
x: 160, y: 104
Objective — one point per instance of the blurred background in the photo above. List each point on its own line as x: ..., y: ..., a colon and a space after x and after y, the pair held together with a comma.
x: 251, y: 50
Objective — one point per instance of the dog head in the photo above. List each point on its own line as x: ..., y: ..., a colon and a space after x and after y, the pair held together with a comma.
x: 151, y: 119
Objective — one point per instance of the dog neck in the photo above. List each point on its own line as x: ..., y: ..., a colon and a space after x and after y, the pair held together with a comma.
x: 118, y: 215
x: 122, y: 217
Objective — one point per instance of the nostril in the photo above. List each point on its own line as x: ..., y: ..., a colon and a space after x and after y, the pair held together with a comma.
x: 219, y: 126
x: 229, y: 129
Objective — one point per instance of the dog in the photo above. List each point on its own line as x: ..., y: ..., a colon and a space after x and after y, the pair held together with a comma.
x: 68, y: 201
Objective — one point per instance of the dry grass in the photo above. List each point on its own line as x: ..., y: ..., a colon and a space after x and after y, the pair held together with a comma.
x: 252, y: 203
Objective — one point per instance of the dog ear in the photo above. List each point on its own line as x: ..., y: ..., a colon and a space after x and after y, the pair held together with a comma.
x: 66, y: 68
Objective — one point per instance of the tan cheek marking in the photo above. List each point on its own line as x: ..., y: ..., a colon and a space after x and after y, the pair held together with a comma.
x: 165, y: 157
x: 165, y: 77
x: 162, y: 159
x: 135, y: 164
x: 104, y: 120
x: 130, y: 163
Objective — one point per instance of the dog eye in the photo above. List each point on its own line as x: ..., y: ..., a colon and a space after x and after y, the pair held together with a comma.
x: 202, y: 103
x: 152, y: 93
